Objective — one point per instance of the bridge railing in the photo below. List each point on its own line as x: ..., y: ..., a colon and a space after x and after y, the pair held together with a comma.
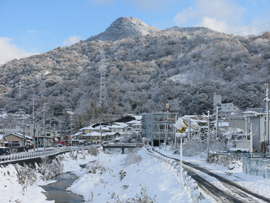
x: 30, y: 155
x: 124, y: 145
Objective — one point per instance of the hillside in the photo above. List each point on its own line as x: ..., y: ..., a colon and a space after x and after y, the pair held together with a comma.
x: 145, y: 69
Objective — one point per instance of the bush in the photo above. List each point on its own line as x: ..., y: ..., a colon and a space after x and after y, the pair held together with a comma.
x: 139, y: 198
x: 132, y: 158
x: 73, y: 154
x: 26, y: 176
x: 95, y: 167
x: 50, y: 170
x: 93, y: 151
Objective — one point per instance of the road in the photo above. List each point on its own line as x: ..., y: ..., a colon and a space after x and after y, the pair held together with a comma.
x: 219, y: 189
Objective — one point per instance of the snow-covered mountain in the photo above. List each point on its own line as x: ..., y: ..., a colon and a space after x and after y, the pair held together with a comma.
x: 142, y: 64
x: 125, y: 27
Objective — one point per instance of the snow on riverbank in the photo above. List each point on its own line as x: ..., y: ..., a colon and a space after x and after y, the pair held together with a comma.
x: 257, y: 184
x: 138, y: 171
x: 105, y: 178
x: 11, y: 190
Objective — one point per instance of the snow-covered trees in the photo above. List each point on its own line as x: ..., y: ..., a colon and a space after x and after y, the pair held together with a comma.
x: 138, y: 72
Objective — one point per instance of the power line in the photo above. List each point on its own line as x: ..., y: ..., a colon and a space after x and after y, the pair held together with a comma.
x: 253, y: 27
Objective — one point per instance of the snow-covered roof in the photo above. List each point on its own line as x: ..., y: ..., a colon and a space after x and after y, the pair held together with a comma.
x: 87, y: 128
x: 239, y: 149
x: 132, y: 122
x: 77, y: 134
x: 109, y: 133
x: 189, y: 116
x: 94, y: 134
x: 102, y: 128
x: 250, y: 112
x: 137, y: 124
x: 121, y: 124
x: 117, y: 126
x: 138, y: 118
x: 20, y: 135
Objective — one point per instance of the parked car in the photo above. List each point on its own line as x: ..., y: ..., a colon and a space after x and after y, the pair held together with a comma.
x: 4, y: 151
x: 59, y: 145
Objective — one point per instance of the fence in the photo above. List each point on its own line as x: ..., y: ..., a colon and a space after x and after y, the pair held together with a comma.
x: 256, y: 166
x: 225, y: 159
x: 30, y: 155
x: 189, y: 184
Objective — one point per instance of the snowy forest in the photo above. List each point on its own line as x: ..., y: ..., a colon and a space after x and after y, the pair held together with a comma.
x: 145, y: 69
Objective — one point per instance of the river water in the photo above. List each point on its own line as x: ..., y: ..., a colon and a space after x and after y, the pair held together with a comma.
x: 57, y: 191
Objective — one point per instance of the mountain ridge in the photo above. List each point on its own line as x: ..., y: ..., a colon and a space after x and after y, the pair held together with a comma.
x: 139, y: 71
x: 125, y: 27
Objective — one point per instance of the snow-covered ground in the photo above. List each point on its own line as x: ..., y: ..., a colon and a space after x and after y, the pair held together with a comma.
x: 141, y: 172
x: 113, y: 177
x: 256, y: 184
x: 100, y: 180
x: 11, y: 190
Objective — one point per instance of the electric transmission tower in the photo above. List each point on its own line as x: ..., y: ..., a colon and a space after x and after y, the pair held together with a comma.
x: 102, y: 88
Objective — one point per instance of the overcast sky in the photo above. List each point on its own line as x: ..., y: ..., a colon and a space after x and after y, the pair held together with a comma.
x: 36, y: 26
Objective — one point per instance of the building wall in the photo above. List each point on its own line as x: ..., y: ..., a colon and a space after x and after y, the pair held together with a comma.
x: 255, y: 122
x: 154, y: 126
x: 237, y: 122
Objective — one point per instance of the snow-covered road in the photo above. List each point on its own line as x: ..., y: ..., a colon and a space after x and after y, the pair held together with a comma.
x: 223, y: 185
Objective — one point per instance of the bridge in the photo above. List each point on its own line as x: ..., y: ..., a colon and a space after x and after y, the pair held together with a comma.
x: 122, y: 146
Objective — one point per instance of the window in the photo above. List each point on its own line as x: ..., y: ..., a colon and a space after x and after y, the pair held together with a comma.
x: 48, y: 134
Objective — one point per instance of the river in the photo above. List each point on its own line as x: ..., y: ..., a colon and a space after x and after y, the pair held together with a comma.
x: 57, y: 191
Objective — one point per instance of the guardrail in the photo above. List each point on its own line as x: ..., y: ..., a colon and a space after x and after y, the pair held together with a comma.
x: 123, y: 145
x: 187, y: 181
x: 30, y: 155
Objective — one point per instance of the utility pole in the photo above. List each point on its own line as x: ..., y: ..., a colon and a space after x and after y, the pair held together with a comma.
x: 189, y: 128
x: 208, y: 136
x: 100, y: 131
x: 33, y: 122
x: 167, y: 113
x: 251, y: 139
x: 246, y: 128
x: 102, y: 87
x: 267, y: 116
x: 217, y: 122
x: 44, y: 110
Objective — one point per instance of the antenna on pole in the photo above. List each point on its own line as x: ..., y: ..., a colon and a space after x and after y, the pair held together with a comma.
x: 102, y: 87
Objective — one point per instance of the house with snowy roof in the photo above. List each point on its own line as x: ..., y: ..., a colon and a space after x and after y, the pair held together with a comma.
x: 14, y: 140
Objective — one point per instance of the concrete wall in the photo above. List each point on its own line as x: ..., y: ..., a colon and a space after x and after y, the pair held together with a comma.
x: 255, y: 122
x: 237, y: 122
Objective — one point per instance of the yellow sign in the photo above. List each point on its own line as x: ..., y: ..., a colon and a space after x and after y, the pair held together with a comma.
x: 182, y: 130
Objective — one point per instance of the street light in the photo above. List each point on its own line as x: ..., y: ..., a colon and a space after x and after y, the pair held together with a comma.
x: 208, y: 136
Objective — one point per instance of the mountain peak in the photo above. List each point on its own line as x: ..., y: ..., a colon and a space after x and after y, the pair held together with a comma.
x: 124, y: 27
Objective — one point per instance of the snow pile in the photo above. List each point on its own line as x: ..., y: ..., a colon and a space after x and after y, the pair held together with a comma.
x: 28, y: 191
x: 114, y: 177
x: 132, y: 177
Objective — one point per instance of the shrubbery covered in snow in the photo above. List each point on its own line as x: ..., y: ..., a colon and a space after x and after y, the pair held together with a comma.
x: 143, y: 197
x: 26, y: 175
x: 49, y: 169
x: 93, y: 151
